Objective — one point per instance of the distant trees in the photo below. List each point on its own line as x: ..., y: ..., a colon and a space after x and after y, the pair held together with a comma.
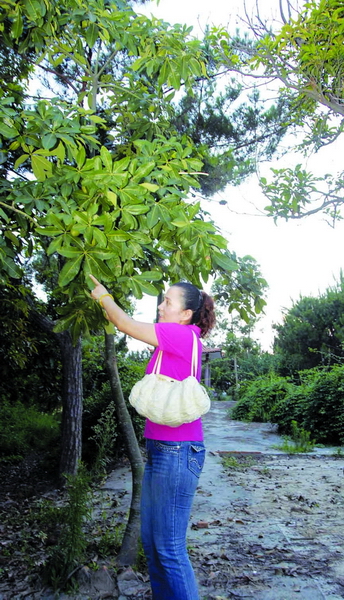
x: 312, y: 333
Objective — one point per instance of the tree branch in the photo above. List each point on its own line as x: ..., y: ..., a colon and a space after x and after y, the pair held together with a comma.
x: 61, y: 76
x: 8, y: 206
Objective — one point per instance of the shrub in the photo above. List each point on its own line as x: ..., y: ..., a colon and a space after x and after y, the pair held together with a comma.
x: 24, y: 429
x: 131, y: 369
x: 292, y: 407
x: 72, y: 543
x: 325, y: 406
x: 257, y: 398
x: 316, y: 404
x: 298, y: 441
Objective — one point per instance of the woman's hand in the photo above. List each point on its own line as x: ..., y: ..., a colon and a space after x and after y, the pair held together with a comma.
x: 140, y: 331
x: 99, y: 290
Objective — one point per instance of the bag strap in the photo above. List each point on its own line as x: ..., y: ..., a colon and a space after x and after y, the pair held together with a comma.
x: 157, y: 364
x: 194, y: 358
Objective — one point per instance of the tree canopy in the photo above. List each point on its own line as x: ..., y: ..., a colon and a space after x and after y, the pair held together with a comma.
x: 312, y: 332
x: 94, y: 174
x: 305, y: 58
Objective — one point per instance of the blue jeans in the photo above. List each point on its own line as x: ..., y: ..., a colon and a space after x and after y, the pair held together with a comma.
x: 169, y: 484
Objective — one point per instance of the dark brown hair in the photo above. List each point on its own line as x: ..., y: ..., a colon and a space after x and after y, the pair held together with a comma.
x: 201, y: 304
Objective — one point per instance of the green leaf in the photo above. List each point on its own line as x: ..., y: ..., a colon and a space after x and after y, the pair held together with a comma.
x: 70, y: 251
x: 112, y: 197
x: 119, y: 166
x: 8, y: 132
x: 151, y: 275
x: 225, y: 262
x: 148, y: 288
x: 153, y: 216
x: 92, y: 34
x: 20, y: 160
x: 50, y: 231
x: 131, y: 194
x: 41, y: 167
x: 136, y: 287
x: 144, y: 170
x: 60, y: 152
x: 70, y: 270
x: 182, y: 222
x: 97, y: 267
x: 100, y: 237
x: 49, y: 141
x: 119, y: 236
x: 109, y: 328
x: 151, y: 187
x: 55, y: 245
x: 64, y: 324
x: 203, y: 226
x: 11, y: 267
x: 219, y: 241
x: 35, y: 9
x: 17, y: 28
x: 137, y: 209
x: 140, y: 237
x: 14, y: 239
x: 106, y: 158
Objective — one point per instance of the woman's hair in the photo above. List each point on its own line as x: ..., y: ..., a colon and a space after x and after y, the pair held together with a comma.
x: 201, y: 305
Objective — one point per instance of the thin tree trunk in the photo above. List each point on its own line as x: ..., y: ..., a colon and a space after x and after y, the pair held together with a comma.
x: 236, y: 389
x: 130, y: 546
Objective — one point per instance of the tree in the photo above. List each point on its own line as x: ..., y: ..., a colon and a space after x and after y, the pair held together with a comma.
x: 312, y: 333
x: 231, y: 137
x: 305, y: 58
x: 234, y: 334
x: 246, y: 282
x: 94, y: 176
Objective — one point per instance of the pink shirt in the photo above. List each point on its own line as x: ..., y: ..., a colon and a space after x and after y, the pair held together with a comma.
x: 175, y: 341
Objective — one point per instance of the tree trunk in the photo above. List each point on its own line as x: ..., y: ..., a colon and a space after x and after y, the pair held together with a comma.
x: 236, y: 389
x: 71, y: 440
x: 130, y: 546
x: 71, y: 395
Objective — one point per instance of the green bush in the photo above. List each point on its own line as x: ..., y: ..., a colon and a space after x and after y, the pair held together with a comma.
x: 316, y: 404
x: 325, y: 406
x: 257, y: 398
x: 25, y: 429
x: 292, y: 407
x: 131, y: 368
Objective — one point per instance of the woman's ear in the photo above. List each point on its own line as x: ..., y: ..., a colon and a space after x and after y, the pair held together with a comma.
x: 187, y: 316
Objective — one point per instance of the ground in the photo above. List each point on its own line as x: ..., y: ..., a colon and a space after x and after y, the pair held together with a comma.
x: 265, y: 525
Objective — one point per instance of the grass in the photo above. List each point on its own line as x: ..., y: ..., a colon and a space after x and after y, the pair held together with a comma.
x: 231, y: 462
x: 298, y: 442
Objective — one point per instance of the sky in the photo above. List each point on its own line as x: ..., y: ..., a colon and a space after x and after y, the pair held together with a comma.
x: 297, y: 258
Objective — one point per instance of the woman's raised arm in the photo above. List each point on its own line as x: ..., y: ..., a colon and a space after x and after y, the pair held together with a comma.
x: 136, y: 329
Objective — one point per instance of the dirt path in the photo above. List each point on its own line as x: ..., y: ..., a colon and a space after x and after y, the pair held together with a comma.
x: 270, y: 526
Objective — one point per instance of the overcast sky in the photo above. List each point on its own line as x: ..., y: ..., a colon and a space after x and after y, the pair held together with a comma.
x: 296, y: 258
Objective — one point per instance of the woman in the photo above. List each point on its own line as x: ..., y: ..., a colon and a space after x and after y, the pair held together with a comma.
x: 175, y: 454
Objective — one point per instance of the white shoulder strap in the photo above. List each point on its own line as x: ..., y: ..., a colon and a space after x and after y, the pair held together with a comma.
x: 157, y: 364
x: 194, y: 358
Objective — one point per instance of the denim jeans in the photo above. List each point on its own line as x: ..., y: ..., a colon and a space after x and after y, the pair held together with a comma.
x: 169, y: 484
